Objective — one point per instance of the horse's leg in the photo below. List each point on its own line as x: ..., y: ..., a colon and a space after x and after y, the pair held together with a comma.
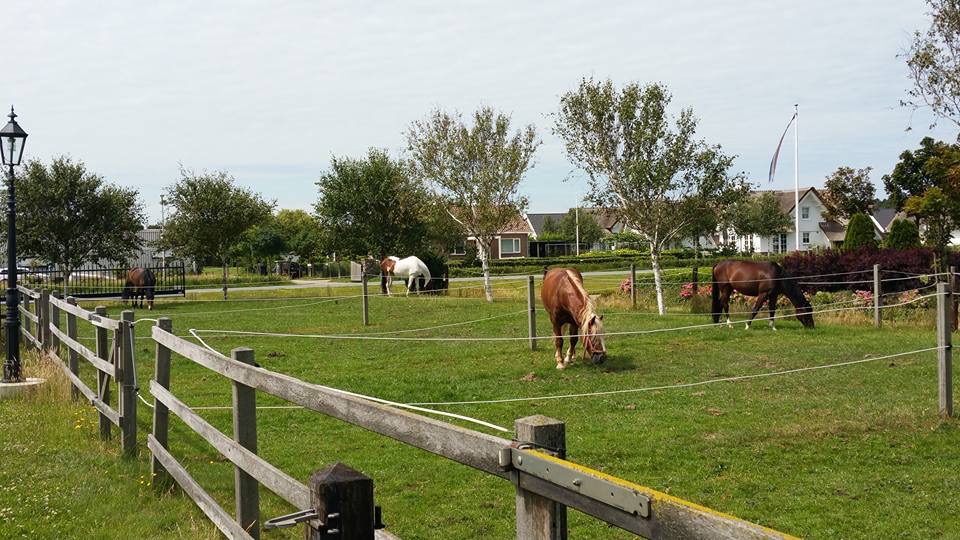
x: 761, y: 299
x: 572, y: 352
x: 773, y: 310
x: 558, y: 344
x: 410, y: 282
x: 389, y: 284
x: 725, y: 303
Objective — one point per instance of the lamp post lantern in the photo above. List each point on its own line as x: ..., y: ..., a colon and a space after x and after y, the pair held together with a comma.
x: 12, y: 140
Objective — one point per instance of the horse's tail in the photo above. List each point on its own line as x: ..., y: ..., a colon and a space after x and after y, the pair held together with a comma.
x: 715, y: 306
x: 426, y: 274
x: 127, y: 289
x: 149, y: 282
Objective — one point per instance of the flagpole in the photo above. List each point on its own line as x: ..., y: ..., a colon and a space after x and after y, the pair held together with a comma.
x: 796, y: 173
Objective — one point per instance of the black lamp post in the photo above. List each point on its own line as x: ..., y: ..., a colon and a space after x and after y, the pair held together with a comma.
x: 12, y: 139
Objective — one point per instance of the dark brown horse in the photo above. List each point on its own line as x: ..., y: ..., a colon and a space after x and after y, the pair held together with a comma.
x: 140, y: 283
x: 764, y: 280
x: 568, y: 303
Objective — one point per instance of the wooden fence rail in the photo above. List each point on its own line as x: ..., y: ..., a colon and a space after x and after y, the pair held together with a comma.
x: 534, y: 461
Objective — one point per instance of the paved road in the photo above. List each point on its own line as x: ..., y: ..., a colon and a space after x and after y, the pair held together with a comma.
x: 309, y: 284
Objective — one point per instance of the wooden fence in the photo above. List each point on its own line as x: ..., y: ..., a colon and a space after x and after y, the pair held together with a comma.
x: 534, y: 461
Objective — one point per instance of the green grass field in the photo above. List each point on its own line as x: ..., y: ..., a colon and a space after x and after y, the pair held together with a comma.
x: 849, y: 452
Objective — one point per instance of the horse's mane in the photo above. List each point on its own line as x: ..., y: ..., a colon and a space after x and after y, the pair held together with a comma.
x: 589, y: 306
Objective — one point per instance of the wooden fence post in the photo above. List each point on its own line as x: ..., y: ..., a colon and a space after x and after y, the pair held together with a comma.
x: 103, y: 380
x: 695, y: 276
x: 366, y: 300
x: 246, y: 488
x: 43, y: 313
x: 877, y: 321
x: 944, y: 354
x: 538, y: 517
x: 531, y: 313
x: 954, y: 289
x: 343, y: 497
x: 633, y: 285
x: 55, y: 321
x: 72, y: 357
x: 161, y: 415
x: 128, y: 386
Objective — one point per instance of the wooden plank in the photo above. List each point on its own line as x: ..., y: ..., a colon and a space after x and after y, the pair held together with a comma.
x: 30, y: 339
x: 103, y: 379
x: 29, y: 292
x: 539, y: 517
x: 104, y: 409
x: 87, y: 354
x: 670, y: 518
x: 245, y: 487
x: 462, y: 445
x: 26, y: 313
x: 161, y: 415
x: 93, y: 317
x: 277, y: 481
x: 217, y: 514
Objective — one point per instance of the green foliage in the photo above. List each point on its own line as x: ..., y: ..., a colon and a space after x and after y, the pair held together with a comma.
x: 761, y: 215
x: 300, y: 232
x: 590, y: 230
x: 860, y: 233
x: 67, y: 215
x: 935, y: 209
x: 476, y: 169
x: 848, y: 192
x: 371, y: 206
x: 904, y: 234
x: 211, y: 214
x: 934, y: 63
x: 551, y: 226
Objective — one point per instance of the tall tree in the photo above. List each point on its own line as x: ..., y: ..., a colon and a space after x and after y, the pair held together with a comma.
x: 476, y: 169
x: 848, y: 192
x: 300, y: 232
x: 903, y: 234
x: 68, y: 216
x: 926, y: 184
x: 760, y: 215
x: 372, y: 206
x: 860, y: 233
x: 933, y: 60
x: 590, y: 230
x: 640, y: 161
x: 210, y: 216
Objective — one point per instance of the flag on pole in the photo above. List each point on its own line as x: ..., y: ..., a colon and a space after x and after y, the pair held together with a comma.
x: 776, y: 154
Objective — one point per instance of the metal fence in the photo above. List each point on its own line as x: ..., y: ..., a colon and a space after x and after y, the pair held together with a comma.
x: 95, y: 281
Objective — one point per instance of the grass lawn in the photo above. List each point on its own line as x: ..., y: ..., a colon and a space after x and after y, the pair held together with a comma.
x: 821, y: 454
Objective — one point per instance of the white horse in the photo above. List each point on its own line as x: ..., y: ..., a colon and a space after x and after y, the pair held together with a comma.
x: 409, y: 268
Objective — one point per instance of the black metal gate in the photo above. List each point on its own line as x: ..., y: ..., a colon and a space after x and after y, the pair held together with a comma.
x: 94, y: 281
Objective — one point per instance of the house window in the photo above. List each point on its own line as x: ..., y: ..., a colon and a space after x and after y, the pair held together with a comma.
x: 806, y: 239
x: 779, y: 242
x: 459, y: 249
x: 804, y: 212
x: 509, y: 246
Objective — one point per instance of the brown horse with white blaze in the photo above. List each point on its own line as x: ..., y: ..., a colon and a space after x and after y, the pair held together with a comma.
x: 764, y: 280
x: 568, y: 303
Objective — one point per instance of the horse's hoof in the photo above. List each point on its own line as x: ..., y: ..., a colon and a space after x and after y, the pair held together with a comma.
x: 746, y: 327
x: 561, y: 365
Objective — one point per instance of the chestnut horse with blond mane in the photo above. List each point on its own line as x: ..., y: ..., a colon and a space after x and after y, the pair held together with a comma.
x: 568, y: 303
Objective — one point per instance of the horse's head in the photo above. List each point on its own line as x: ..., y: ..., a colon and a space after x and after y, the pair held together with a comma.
x: 804, y: 315
x: 800, y: 302
x: 593, y: 339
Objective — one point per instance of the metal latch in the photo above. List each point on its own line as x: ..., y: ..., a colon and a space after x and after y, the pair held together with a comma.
x: 568, y: 475
x: 291, y: 520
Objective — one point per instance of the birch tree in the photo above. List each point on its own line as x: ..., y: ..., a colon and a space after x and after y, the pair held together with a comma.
x: 641, y: 162
x: 476, y: 169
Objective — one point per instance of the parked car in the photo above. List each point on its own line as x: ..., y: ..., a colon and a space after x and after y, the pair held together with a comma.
x: 288, y: 268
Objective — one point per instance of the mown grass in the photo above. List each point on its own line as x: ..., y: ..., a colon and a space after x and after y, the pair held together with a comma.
x: 851, y: 452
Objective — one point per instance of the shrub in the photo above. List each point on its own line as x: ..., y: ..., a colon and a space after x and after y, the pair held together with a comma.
x: 851, y: 270
x: 860, y: 233
x: 903, y: 234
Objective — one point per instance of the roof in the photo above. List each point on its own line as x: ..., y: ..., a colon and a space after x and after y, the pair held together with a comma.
x: 537, y: 220
x: 786, y: 196
x: 886, y: 216
x: 834, y: 231
x: 606, y: 218
x: 517, y: 225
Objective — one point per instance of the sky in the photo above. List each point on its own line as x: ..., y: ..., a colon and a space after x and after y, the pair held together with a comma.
x: 270, y: 91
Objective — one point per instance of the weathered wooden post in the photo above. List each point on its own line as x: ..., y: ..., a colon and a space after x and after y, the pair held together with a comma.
x: 103, y: 380
x: 633, y: 285
x: 695, y: 279
x: 72, y: 357
x: 954, y: 289
x: 877, y: 321
x: 944, y: 353
x: 128, y: 387
x: 55, y: 322
x: 366, y: 300
x: 245, y: 487
x: 531, y: 313
x: 343, y: 498
x: 161, y: 415
x: 539, y: 517
x: 43, y: 314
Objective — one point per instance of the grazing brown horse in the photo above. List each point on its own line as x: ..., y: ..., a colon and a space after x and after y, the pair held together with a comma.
x: 764, y: 280
x: 567, y: 302
x: 140, y: 283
